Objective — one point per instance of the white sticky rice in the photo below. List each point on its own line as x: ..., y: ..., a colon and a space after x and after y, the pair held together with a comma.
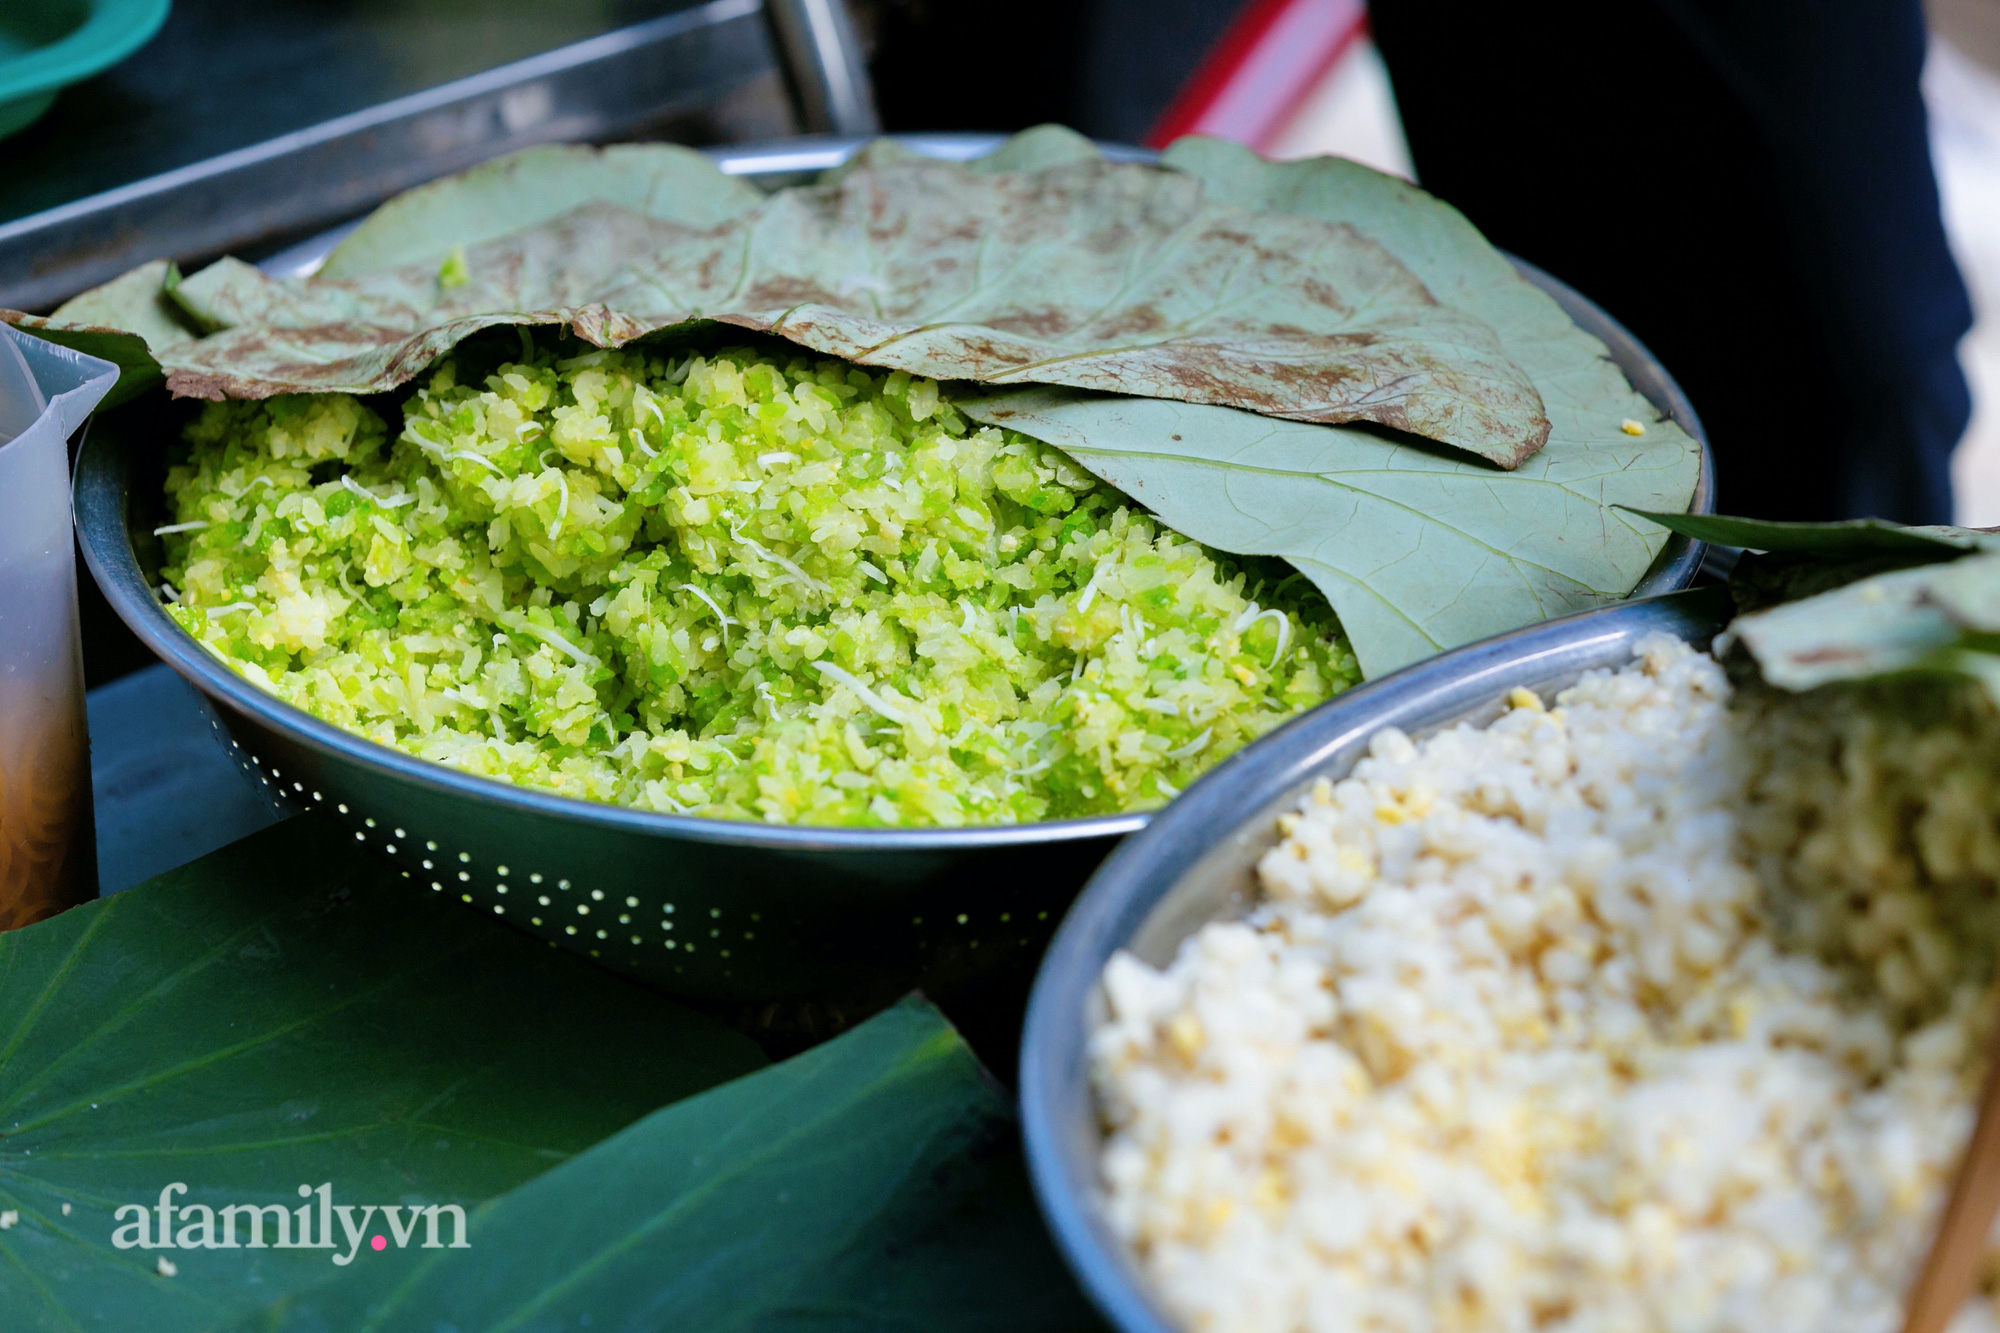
x: 1642, y: 1012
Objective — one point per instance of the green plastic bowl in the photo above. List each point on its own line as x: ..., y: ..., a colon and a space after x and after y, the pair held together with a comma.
x: 46, y: 45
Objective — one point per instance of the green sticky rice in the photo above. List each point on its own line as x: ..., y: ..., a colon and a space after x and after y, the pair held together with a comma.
x: 738, y: 585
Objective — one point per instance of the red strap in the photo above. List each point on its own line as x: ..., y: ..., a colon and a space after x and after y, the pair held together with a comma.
x: 1266, y: 65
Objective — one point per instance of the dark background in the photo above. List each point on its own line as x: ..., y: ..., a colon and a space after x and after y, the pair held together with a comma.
x: 1106, y: 67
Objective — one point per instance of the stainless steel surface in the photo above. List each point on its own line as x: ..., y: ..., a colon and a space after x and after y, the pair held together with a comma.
x: 1194, y: 864
x: 284, y: 185
x: 224, y: 74
x: 829, y: 72
x: 798, y: 912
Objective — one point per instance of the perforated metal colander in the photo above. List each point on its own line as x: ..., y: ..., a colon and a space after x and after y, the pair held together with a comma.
x: 700, y: 907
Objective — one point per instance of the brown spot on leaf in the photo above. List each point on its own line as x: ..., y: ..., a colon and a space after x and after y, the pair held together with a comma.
x: 1043, y: 322
x: 1143, y: 284
x: 1820, y: 656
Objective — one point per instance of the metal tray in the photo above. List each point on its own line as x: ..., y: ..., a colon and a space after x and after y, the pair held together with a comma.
x: 616, y: 84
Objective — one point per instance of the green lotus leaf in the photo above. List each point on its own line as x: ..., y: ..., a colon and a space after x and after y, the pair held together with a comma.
x: 870, y: 1183
x: 288, y: 1012
x: 421, y: 227
x: 129, y: 321
x: 1418, y: 549
x: 1081, y: 272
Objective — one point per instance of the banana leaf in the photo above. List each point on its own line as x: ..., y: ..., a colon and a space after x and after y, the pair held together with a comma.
x: 1852, y: 538
x: 1939, y: 618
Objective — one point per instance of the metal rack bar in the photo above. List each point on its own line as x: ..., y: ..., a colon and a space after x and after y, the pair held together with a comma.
x: 288, y: 185
x: 828, y: 74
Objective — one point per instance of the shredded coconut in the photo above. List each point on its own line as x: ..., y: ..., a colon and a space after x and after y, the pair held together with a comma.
x: 623, y: 502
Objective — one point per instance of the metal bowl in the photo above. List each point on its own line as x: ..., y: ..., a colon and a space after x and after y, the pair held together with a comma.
x: 701, y: 907
x: 1195, y: 864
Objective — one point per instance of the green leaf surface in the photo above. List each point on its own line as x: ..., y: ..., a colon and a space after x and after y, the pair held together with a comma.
x: 287, y: 1012
x: 122, y: 322
x: 1117, y: 278
x: 1034, y: 149
x: 1823, y: 603
x: 422, y: 226
x: 1933, y: 618
x: 869, y: 1184
x: 1037, y: 148
x: 1588, y: 399
x: 1418, y: 550
x: 1855, y: 537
